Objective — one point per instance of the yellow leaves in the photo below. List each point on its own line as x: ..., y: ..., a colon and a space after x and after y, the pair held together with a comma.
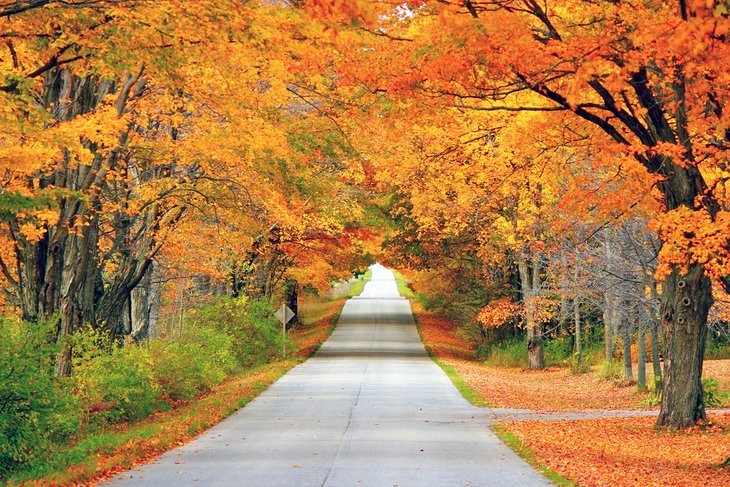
x: 32, y: 232
x: 34, y: 222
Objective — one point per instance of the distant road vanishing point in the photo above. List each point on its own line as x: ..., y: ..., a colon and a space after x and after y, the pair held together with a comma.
x: 369, y: 409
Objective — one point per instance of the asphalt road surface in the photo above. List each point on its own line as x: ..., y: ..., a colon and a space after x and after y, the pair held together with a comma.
x: 369, y: 409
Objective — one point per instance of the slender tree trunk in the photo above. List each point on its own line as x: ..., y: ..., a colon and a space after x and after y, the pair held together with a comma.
x: 608, y: 330
x: 578, y: 338
x: 143, y: 302
x: 686, y: 301
x: 628, y: 370
x: 641, y: 364
x: 655, y: 360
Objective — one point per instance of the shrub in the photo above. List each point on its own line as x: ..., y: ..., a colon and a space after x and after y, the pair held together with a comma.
x: 511, y: 352
x: 611, y: 371
x: 582, y: 367
x: 36, y: 407
x: 717, y: 349
x: 255, y: 333
x: 714, y: 397
x: 653, y: 399
x: 193, y: 365
x: 115, y: 386
x: 558, y: 351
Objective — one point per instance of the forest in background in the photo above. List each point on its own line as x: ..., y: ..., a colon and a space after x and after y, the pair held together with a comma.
x: 548, y: 173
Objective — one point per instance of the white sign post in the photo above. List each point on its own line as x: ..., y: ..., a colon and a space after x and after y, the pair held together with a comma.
x: 284, y: 315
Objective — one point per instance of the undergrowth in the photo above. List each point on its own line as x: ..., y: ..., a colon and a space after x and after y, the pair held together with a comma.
x: 49, y: 424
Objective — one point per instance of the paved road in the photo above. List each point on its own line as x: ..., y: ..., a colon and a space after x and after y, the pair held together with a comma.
x: 370, y: 409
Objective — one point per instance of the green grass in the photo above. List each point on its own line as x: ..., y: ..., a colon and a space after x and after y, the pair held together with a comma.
x: 125, y: 446
x: 469, y: 394
x: 510, y: 352
x: 717, y: 350
x: 403, y: 288
x: 357, y: 287
x: 529, y: 456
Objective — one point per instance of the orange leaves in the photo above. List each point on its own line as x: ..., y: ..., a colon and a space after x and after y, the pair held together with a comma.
x: 344, y: 11
x: 628, y: 452
x: 692, y: 236
x: 498, y: 313
x: 440, y: 336
x: 547, y: 390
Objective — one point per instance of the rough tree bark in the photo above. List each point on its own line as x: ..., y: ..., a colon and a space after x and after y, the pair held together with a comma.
x: 686, y: 303
x: 530, y: 282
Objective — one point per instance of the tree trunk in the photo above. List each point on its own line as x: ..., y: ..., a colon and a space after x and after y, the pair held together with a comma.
x: 628, y: 371
x: 144, y: 300
x: 608, y: 330
x: 655, y: 360
x: 686, y: 301
x: 530, y: 281
x: 641, y: 364
x: 291, y: 297
x: 578, y: 338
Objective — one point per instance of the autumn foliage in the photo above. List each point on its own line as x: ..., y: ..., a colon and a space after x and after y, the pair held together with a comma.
x: 547, y: 170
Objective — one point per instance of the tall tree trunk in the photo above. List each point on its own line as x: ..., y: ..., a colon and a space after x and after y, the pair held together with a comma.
x: 530, y: 281
x: 578, y: 338
x: 655, y: 360
x: 626, y: 335
x: 686, y: 301
x: 641, y: 363
x: 144, y: 301
x: 576, y: 314
x: 608, y: 330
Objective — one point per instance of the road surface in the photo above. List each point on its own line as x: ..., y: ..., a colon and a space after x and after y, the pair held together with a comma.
x: 369, y: 409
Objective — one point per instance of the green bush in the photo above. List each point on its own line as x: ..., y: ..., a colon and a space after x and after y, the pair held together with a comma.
x: 653, y: 399
x: 714, y: 397
x: 578, y: 368
x: 193, y: 365
x: 115, y: 386
x: 431, y: 302
x: 717, y: 349
x: 511, y: 352
x: 611, y: 371
x: 255, y: 333
x: 36, y: 407
x: 558, y: 351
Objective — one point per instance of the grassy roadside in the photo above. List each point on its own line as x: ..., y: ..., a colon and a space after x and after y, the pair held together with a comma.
x: 467, y: 391
x: 358, y: 286
x: 434, y: 341
x: 402, y: 284
x: 529, y: 456
x: 100, y: 456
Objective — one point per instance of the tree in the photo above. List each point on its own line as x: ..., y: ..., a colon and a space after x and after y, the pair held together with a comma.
x: 632, y: 73
x: 133, y: 127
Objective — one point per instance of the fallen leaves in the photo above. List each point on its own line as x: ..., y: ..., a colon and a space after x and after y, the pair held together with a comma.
x: 594, y: 452
x: 440, y: 336
x: 547, y: 390
x: 629, y: 452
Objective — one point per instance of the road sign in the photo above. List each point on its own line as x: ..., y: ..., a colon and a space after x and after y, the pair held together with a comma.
x: 284, y: 314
